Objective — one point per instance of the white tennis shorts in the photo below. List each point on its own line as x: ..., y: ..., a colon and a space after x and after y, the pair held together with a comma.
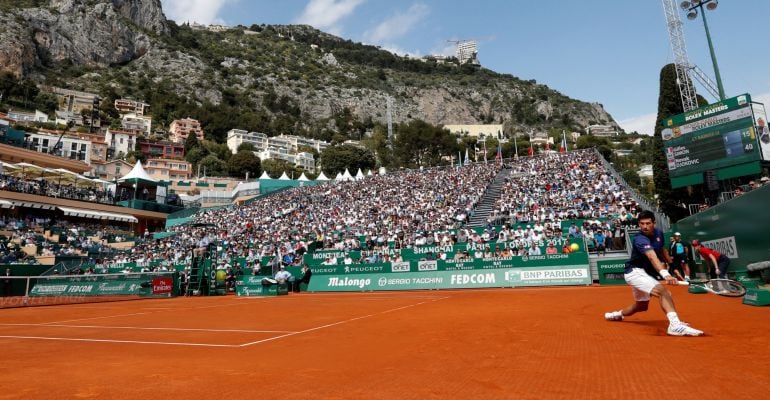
x: 641, y: 284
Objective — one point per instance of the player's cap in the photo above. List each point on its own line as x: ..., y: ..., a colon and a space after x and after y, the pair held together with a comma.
x: 764, y: 179
x: 695, y: 243
x: 677, y: 234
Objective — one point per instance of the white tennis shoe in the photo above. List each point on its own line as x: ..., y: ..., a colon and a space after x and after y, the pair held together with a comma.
x: 681, y: 329
x: 613, y: 316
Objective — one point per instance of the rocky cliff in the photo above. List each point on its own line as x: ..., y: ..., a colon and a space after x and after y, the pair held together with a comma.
x: 130, y: 48
x: 80, y: 32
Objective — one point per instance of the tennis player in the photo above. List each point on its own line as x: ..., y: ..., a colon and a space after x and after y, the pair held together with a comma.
x: 648, y: 250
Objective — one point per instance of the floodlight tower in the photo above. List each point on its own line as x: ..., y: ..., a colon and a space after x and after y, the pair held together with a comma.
x: 389, y: 117
x: 681, y: 62
x: 692, y: 7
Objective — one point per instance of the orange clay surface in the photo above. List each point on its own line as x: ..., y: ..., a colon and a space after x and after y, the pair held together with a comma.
x: 540, y: 343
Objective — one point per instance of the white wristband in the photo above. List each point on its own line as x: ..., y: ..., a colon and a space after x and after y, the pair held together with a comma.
x: 664, y: 273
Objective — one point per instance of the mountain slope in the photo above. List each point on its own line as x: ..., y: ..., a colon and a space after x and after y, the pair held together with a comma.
x: 274, y: 79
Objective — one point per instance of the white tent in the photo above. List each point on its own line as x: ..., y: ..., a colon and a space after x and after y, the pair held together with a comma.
x: 339, y: 177
x: 322, y: 177
x: 369, y: 173
x: 137, y: 172
x: 265, y: 175
x: 303, y: 177
x: 284, y: 177
x: 359, y: 175
x: 347, y: 175
x: 383, y: 171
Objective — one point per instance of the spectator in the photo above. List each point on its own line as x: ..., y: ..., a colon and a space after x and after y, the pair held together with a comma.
x: 551, y: 249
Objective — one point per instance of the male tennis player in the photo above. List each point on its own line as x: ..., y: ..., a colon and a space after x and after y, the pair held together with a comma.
x: 648, y: 249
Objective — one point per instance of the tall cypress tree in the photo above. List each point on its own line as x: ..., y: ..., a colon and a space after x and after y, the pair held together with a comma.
x: 673, y: 202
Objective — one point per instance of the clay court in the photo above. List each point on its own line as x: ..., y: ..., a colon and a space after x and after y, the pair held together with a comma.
x: 480, y: 344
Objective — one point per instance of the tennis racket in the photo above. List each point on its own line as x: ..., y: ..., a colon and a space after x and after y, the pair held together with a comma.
x: 722, y: 287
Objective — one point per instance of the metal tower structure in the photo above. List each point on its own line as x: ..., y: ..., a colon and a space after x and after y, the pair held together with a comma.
x: 389, y: 116
x: 682, y: 63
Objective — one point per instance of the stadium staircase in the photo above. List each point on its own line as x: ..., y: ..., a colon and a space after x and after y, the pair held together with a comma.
x: 486, y: 205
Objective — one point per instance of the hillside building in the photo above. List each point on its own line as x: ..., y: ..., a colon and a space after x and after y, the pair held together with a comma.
x: 180, y: 129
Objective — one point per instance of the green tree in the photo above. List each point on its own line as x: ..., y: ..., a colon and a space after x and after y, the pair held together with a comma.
x: 213, y: 166
x: 669, y: 103
x: 190, y: 143
x: 218, y: 149
x: 242, y: 162
x: 195, y: 155
x: 419, y: 143
x: 275, y: 168
x: 245, y: 146
x: 336, y: 159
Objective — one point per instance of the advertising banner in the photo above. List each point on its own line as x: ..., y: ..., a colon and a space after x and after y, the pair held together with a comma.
x: 103, y: 285
x: 504, y: 277
x: 611, y: 272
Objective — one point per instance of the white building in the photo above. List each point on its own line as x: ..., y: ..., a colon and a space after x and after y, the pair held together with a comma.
x: 467, y: 51
x: 68, y: 147
x: 261, y: 142
x: 301, y: 159
x: 120, y: 141
x: 65, y: 117
x: 602, y: 130
x: 236, y: 137
x: 478, y: 131
x: 646, y: 172
x: 37, y: 116
x: 137, y: 122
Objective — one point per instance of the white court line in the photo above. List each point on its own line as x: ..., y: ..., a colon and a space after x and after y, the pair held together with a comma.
x: 339, y: 323
x: 87, y: 319
x: 150, y: 328
x: 120, y: 341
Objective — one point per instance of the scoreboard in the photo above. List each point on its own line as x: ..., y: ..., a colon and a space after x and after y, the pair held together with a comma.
x: 712, y: 137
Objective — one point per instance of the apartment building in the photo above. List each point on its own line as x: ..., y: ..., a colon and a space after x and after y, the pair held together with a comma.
x: 98, y: 146
x: 163, y: 149
x: 73, y: 148
x: 120, y: 141
x: 110, y: 170
x: 128, y: 106
x: 602, y: 130
x: 20, y: 116
x: 181, y: 128
x: 164, y: 169
x: 478, y: 131
x: 236, y: 137
x: 138, y: 122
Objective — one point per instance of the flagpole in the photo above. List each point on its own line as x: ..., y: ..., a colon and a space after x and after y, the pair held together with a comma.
x: 515, y: 148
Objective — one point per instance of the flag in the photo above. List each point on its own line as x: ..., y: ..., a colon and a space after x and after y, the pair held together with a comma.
x: 485, y: 151
x: 563, y: 148
x: 547, y: 146
x: 459, y: 159
x: 499, y: 156
x: 530, y: 152
x: 467, y: 161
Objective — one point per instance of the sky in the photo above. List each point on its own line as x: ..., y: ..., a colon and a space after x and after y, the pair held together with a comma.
x: 609, y: 52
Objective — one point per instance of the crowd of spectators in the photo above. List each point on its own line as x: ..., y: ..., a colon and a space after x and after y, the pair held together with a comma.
x: 402, y: 209
x: 544, y: 191
x: 51, y: 188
